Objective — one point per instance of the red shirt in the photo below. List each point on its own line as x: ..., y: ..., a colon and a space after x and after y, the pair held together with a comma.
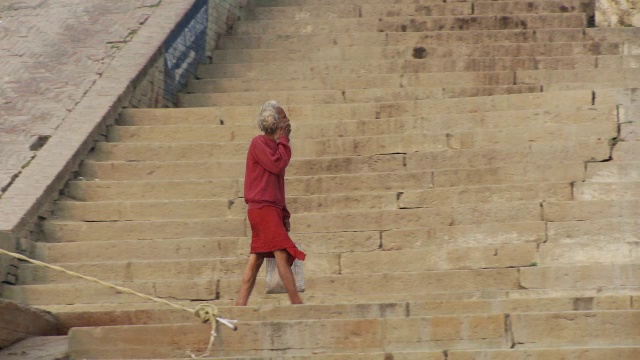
x: 264, y: 176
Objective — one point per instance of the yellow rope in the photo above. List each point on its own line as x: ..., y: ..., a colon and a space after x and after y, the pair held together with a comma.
x: 205, y: 312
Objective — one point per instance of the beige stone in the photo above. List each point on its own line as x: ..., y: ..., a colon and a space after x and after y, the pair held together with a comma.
x: 555, y: 211
x: 595, y: 353
x: 579, y: 276
x: 152, y: 190
x: 482, y: 194
x: 500, y: 156
x: 609, y: 230
x: 19, y: 322
x: 464, y: 235
x: 438, y: 258
x: 514, y: 174
x: 70, y: 231
x: 613, y: 172
x: 576, y: 329
x: 355, y: 53
x: 451, y: 332
x: 587, y: 253
x: 606, y: 191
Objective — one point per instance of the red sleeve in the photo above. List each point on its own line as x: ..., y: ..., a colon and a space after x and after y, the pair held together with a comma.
x: 275, y: 162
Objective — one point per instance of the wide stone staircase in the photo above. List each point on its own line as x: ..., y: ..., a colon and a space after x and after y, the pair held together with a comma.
x: 465, y: 182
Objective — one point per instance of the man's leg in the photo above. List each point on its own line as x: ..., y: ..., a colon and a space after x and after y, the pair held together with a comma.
x: 284, y: 270
x: 249, y: 278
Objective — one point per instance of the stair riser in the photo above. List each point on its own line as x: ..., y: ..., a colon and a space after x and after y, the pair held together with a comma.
x: 351, y: 96
x: 357, y: 82
x: 434, y: 9
x: 425, y: 108
x: 416, y: 51
x: 152, y: 190
x: 319, y: 69
x: 412, y: 38
x: 366, y: 335
x: 184, y: 249
x: 612, y: 230
x: 145, y: 127
x: 414, y: 23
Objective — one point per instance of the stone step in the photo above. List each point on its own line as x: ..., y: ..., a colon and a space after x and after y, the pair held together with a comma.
x: 575, y: 100
x: 212, y: 208
x: 310, y: 40
x: 413, y: 23
x: 563, y: 211
x: 548, y: 77
x: 152, y: 190
x: 215, y: 266
x: 606, y: 191
x: 589, y: 253
x: 304, y: 3
x: 137, y: 314
x: 417, y: 51
x: 614, y: 230
x: 626, y: 150
x: 310, y: 70
x: 488, y: 234
x: 536, y: 153
x: 616, y: 171
x: 528, y: 330
x: 71, y: 231
x: 37, y: 348
x: 166, y: 126
x: 330, y: 82
x: 92, y: 293
x: 356, y: 11
x: 428, y: 144
x: 361, y: 220
x: 198, y: 170
x: 586, y: 353
x: 511, y: 174
x: 424, y: 80
x: 602, y: 298
x: 351, y: 96
x: 426, y: 9
x: 450, y: 281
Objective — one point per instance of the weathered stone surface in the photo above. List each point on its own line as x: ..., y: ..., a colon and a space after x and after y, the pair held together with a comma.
x: 37, y: 348
x: 18, y: 322
x: 578, y: 329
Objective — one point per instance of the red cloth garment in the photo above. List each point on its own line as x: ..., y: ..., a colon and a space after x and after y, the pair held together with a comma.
x: 268, y: 233
x: 264, y: 175
x: 264, y: 193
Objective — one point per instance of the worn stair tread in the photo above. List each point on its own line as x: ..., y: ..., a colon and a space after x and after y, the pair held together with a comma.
x: 137, y: 314
x: 415, y: 23
x: 346, y: 39
x: 292, y: 70
x: 536, y: 277
x: 418, y: 51
x: 569, y: 328
x: 430, y: 9
x: 444, y: 150
x: 327, y: 97
x: 155, y: 119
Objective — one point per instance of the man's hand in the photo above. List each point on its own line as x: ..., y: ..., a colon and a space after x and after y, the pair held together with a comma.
x: 287, y: 224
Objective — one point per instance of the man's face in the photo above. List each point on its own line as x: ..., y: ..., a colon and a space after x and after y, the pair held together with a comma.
x: 281, y: 114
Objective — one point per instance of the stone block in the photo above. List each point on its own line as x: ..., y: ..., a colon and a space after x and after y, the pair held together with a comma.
x: 19, y: 322
x: 604, y: 328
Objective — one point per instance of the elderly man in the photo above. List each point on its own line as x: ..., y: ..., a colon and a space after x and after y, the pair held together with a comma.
x: 267, y: 159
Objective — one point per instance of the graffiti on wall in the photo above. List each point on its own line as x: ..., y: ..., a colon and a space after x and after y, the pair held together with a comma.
x: 185, y: 48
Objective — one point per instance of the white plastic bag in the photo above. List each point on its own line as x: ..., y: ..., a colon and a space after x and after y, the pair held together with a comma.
x: 274, y: 283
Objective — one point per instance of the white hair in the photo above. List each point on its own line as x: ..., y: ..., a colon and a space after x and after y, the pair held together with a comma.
x: 268, y: 117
